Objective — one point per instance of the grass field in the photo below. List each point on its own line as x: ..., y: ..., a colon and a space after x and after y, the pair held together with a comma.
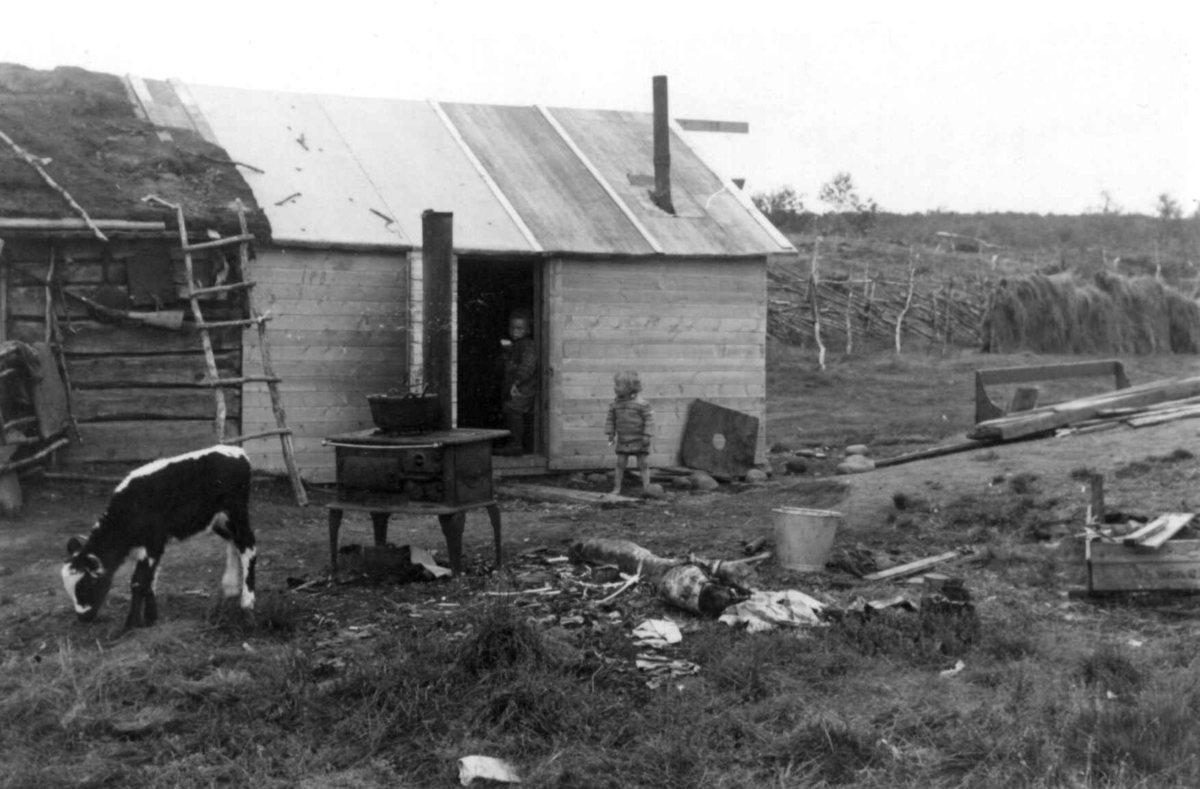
x: 383, y: 685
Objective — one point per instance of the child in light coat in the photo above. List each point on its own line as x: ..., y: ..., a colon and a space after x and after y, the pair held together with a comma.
x: 630, y: 427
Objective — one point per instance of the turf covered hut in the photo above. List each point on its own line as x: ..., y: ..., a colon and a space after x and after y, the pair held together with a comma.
x: 75, y: 162
x: 553, y: 212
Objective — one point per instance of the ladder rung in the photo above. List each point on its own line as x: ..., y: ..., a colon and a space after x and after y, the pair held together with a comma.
x: 250, y: 379
x: 226, y: 324
x: 24, y: 421
x: 220, y: 242
x: 283, y: 431
x: 220, y: 289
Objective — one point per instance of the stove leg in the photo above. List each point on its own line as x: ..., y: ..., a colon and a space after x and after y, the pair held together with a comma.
x: 493, y: 511
x: 335, y: 525
x: 379, y: 522
x: 452, y: 528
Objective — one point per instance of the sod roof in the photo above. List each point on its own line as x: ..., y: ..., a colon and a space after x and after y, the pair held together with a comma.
x: 83, y: 128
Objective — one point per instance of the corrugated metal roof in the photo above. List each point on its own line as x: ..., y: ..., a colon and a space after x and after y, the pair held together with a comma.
x: 564, y: 206
x: 707, y: 216
x: 312, y: 187
x: 518, y: 179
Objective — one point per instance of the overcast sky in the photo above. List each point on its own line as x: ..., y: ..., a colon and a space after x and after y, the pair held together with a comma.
x: 1017, y: 107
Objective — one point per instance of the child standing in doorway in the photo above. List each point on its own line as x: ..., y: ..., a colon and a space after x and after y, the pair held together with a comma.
x: 520, y: 381
x: 630, y: 427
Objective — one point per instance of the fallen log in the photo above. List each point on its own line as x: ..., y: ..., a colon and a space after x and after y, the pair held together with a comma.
x: 679, y: 582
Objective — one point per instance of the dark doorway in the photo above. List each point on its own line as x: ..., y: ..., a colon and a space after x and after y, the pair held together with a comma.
x: 488, y: 292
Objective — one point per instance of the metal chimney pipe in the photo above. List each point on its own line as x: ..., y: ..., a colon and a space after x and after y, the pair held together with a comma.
x: 437, y: 247
x: 662, y: 148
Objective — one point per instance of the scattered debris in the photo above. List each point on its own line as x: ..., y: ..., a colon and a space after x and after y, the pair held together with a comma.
x: 288, y: 199
x: 769, y: 610
x: 685, y: 585
x: 663, y: 668
x: 950, y: 672
x: 488, y: 768
x: 657, y: 633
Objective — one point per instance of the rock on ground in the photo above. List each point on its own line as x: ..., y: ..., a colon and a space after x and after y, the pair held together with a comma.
x: 702, y: 481
x: 855, y: 464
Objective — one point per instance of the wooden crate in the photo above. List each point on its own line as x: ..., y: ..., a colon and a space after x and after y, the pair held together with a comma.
x: 1113, y: 567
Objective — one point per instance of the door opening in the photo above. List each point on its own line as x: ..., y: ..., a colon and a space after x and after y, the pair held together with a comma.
x: 489, y: 292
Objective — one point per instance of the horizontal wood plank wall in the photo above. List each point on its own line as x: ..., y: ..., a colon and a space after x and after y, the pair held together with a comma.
x: 339, y: 332
x: 693, y: 329
x: 135, y: 391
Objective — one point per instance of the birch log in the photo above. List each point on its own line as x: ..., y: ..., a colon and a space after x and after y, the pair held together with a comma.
x: 912, y: 273
x: 816, y: 306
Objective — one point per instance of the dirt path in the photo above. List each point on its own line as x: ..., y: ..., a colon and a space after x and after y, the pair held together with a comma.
x: 1052, y: 460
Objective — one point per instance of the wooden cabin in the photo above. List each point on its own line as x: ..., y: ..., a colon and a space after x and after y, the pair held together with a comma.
x: 553, y: 212
x: 73, y: 171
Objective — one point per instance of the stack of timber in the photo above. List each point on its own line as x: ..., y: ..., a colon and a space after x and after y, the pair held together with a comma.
x: 1139, y: 406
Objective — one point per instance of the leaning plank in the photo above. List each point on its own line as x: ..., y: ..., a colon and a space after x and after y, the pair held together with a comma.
x: 901, y: 570
x: 548, y: 493
x: 931, y: 452
x: 1159, y: 530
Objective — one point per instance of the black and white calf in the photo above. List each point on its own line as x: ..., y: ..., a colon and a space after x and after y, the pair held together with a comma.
x: 205, y: 490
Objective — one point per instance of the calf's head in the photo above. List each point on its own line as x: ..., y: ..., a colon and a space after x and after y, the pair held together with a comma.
x: 86, y: 580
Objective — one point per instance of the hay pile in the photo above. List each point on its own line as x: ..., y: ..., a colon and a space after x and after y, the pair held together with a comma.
x: 1063, y: 313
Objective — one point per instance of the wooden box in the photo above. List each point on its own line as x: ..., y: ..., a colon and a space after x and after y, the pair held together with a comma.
x: 1113, y: 567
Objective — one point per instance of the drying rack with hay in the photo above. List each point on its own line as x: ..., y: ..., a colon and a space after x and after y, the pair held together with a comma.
x: 1109, y: 313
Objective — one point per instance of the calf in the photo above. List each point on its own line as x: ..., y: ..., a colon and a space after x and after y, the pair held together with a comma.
x: 205, y: 490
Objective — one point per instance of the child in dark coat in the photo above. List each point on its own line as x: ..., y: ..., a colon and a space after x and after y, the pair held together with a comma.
x: 630, y: 427
x: 520, y: 381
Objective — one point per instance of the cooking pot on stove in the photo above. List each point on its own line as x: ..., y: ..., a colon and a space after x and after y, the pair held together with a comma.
x: 411, y: 412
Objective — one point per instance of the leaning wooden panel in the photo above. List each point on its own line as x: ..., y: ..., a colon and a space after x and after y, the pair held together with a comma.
x: 1124, y: 568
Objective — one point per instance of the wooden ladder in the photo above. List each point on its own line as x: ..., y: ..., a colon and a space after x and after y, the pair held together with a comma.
x: 256, y: 319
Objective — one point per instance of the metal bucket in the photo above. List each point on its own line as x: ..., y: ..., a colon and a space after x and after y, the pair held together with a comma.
x: 804, y: 538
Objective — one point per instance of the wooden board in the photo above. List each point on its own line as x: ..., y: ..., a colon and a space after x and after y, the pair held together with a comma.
x: 140, y: 441
x: 547, y: 493
x: 1159, y: 530
x: 86, y: 337
x: 157, y: 370
x: 90, y: 405
x: 1121, y: 568
x: 1048, y: 418
x: 49, y: 393
x: 719, y: 439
